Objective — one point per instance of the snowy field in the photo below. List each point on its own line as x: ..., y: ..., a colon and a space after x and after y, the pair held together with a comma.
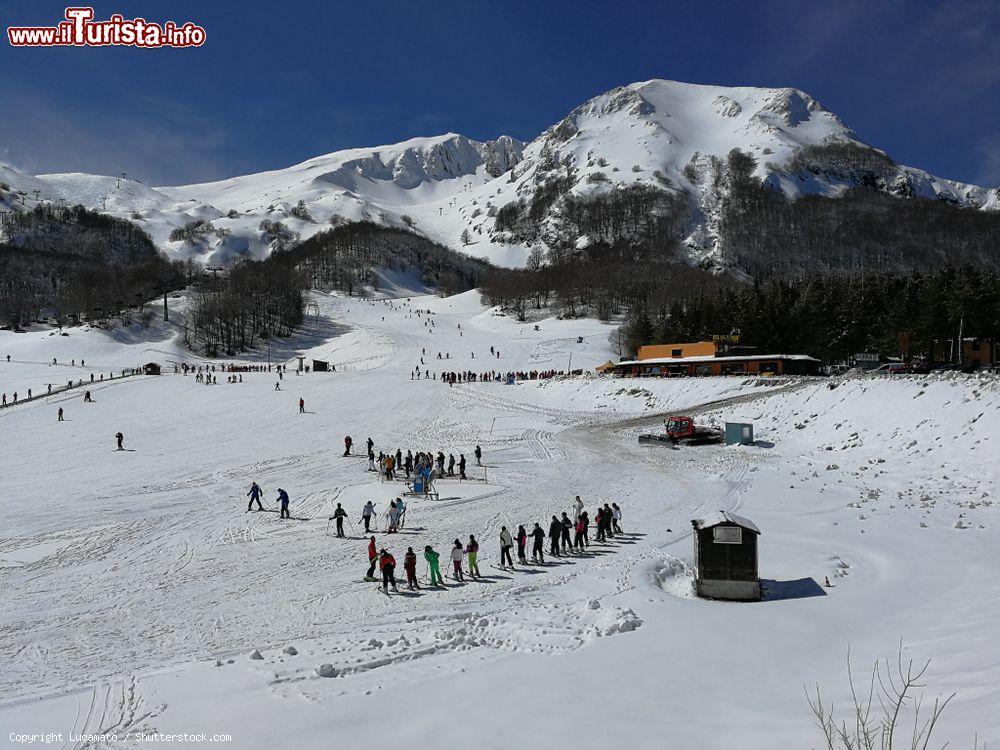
x: 137, y: 590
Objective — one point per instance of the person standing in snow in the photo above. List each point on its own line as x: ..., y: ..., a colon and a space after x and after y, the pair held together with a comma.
x: 283, y: 499
x: 616, y: 516
x: 393, y: 517
x: 456, y: 560
x: 372, y: 560
x: 60, y: 414
x: 371, y: 460
x: 254, y: 494
x: 302, y: 406
x: 505, y: 544
x: 585, y: 517
x: 451, y: 464
x: 599, y: 520
x: 539, y: 544
x: 434, y: 565
x: 606, y: 516
x: 340, y: 514
x: 277, y: 386
x: 366, y: 515
x: 522, y: 541
x: 564, y: 539
x: 387, y: 564
x: 578, y: 536
x: 400, y: 513
x: 461, y: 466
x: 371, y: 446
x: 472, y: 550
x: 479, y: 456
x: 577, y: 508
x: 118, y: 436
x: 410, y: 566
x: 347, y: 445
x: 555, y: 532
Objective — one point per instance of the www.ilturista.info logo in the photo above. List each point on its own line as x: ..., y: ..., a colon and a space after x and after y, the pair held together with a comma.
x: 81, y: 30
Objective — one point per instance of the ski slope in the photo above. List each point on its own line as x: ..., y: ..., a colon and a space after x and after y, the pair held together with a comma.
x: 138, y: 590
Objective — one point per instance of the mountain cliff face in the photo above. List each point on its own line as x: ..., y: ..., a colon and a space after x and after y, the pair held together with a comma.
x: 657, y: 146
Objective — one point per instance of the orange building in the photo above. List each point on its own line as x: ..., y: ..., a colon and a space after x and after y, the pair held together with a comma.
x: 712, y: 358
x: 678, y: 351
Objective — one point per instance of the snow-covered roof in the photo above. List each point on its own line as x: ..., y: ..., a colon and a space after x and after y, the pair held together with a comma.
x: 712, y: 358
x: 724, y: 516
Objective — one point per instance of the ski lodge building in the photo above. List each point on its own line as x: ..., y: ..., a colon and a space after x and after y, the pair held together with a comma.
x: 712, y: 358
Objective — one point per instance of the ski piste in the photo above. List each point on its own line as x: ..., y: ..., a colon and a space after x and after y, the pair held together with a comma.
x: 301, y: 581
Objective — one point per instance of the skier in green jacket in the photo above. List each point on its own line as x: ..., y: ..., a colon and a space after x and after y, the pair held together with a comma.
x: 432, y: 558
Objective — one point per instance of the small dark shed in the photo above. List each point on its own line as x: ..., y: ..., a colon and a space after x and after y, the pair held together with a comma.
x: 151, y: 368
x: 320, y: 366
x: 725, y: 557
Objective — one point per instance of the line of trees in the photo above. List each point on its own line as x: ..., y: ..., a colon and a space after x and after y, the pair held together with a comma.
x: 249, y: 304
x: 831, y: 317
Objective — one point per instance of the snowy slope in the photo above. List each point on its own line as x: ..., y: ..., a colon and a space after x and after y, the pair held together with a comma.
x: 665, y: 134
x: 137, y: 588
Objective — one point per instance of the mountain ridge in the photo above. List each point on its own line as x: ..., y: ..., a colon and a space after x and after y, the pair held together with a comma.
x: 664, y: 135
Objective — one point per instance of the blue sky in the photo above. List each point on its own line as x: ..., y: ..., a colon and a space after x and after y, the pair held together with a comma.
x: 277, y: 83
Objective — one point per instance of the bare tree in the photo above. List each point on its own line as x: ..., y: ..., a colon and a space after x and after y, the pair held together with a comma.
x: 876, y: 716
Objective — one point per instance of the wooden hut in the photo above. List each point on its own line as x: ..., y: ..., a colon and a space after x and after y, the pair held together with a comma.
x: 320, y: 365
x: 725, y: 556
x: 151, y: 368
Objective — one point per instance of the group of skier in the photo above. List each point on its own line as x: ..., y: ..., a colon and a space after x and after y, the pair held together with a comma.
x: 256, y: 493
x: 389, y: 465
x: 465, y: 557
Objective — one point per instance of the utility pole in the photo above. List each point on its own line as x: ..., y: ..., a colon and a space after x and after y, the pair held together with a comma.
x: 958, y: 346
x: 166, y: 315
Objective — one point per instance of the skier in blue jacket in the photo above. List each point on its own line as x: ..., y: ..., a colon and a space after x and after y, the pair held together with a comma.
x: 254, y: 495
x: 283, y: 498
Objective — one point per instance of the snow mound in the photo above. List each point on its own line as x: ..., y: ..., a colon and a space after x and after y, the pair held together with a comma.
x: 674, y: 577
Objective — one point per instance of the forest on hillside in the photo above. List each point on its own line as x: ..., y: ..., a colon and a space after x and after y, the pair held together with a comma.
x: 827, y: 276
x: 257, y: 300
x: 68, y: 263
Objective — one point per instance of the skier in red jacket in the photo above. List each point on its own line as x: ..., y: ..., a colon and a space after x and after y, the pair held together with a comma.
x: 387, y: 564
x: 372, y: 560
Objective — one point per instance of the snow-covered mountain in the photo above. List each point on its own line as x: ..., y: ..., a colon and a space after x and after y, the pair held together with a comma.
x: 667, y: 135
